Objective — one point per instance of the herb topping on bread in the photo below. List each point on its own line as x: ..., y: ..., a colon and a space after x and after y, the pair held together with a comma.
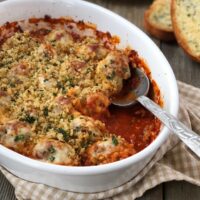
x: 186, y: 25
x: 157, y: 20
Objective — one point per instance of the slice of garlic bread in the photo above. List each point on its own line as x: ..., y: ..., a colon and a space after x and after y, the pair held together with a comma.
x: 186, y: 25
x: 157, y: 20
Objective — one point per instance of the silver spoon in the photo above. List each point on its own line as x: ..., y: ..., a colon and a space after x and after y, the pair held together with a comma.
x: 137, y: 94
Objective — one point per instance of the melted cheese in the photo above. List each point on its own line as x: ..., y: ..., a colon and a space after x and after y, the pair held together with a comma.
x: 50, y: 84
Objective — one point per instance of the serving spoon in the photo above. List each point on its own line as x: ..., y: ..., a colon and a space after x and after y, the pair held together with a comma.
x: 138, y: 93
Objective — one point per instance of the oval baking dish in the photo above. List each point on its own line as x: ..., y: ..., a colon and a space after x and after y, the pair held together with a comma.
x: 102, y: 177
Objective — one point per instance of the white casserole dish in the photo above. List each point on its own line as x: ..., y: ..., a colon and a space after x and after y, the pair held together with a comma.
x: 93, y: 178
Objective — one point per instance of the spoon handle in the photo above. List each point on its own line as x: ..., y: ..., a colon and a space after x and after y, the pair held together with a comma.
x: 190, y: 138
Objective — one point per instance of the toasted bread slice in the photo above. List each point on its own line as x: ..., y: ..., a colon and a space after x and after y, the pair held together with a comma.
x: 157, y: 20
x: 186, y: 25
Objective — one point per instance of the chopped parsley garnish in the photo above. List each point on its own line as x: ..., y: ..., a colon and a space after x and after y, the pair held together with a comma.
x: 114, y: 140
x: 29, y: 119
x: 16, y: 94
x: 111, y: 76
x: 51, y: 149
x: 59, y: 85
x: 77, y: 129
x: 19, y: 138
x: 48, y: 127
x: 69, y: 82
x: 70, y: 118
x: 51, y: 158
x: 85, y: 144
x: 64, y: 91
x: 46, y: 111
x: 88, y: 70
x: 62, y: 87
x: 12, y: 84
x: 64, y: 133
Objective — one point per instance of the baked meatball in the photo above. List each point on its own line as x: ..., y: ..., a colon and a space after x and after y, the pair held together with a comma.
x: 54, y: 151
x: 14, y: 135
x: 107, y: 150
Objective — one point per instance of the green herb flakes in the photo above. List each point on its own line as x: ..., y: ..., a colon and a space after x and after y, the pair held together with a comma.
x: 111, y: 76
x: 46, y: 111
x: 51, y: 149
x: 51, y: 158
x: 19, y: 138
x: 64, y: 133
x: 28, y: 118
x: 114, y: 140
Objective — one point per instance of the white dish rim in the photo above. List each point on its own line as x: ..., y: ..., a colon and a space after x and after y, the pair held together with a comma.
x: 90, y: 170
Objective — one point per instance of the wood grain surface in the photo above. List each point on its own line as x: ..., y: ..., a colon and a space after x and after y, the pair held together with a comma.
x: 185, y: 70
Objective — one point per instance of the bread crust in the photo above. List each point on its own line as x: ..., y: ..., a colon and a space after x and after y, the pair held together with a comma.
x: 179, y: 37
x: 156, y: 31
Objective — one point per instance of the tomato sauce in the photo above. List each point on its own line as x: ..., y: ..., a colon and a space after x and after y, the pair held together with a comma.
x: 136, y: 124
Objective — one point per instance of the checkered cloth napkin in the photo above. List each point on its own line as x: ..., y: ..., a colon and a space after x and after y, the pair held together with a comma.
x: 173, y: 161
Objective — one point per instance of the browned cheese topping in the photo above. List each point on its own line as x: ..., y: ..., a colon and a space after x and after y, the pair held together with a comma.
x: 55, y: 77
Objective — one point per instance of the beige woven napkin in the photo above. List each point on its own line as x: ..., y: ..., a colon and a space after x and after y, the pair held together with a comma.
x: 172, y: 161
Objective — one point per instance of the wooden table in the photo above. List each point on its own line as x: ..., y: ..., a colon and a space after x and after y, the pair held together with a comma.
x: 185, y: 70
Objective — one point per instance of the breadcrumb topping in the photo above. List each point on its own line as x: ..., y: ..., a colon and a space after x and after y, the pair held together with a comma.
x: 53, y: 81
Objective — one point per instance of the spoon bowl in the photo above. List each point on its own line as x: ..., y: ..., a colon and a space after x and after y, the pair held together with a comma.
x: 138, y: 94
x: 133, y: 91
